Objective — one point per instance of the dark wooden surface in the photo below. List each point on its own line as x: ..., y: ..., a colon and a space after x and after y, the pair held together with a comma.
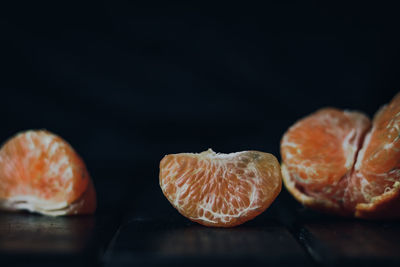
x: 349, y: 242
x: 152, y: 233
x: 26, y: 238
x: 35, y: 240
x: 161, y: 236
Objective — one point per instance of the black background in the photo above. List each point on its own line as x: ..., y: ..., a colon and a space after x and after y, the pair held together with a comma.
x: 127, y: 83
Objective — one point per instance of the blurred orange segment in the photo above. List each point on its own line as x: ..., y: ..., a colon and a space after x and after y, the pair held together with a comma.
x: 220, y: 189
x: 330, y: 166
x: 381, y: 152
x: 42, y: 173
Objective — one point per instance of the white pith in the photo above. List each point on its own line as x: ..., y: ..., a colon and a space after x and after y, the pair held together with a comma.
x: 37, y: 205
x: 211, y: 154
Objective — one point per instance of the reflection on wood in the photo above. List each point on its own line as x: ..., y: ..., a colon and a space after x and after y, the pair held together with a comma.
x: 347, y: 242
x: 162, y: 241
x: 30, y: 233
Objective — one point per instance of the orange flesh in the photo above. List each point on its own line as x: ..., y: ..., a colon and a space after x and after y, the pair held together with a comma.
x: 220, y: 189
x: 42, y: 167
x: 328, y: 159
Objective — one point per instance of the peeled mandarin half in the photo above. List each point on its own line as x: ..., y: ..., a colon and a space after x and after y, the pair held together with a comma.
x: 222, y: 190
x: 40, y: 172
x: 338, y: 162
